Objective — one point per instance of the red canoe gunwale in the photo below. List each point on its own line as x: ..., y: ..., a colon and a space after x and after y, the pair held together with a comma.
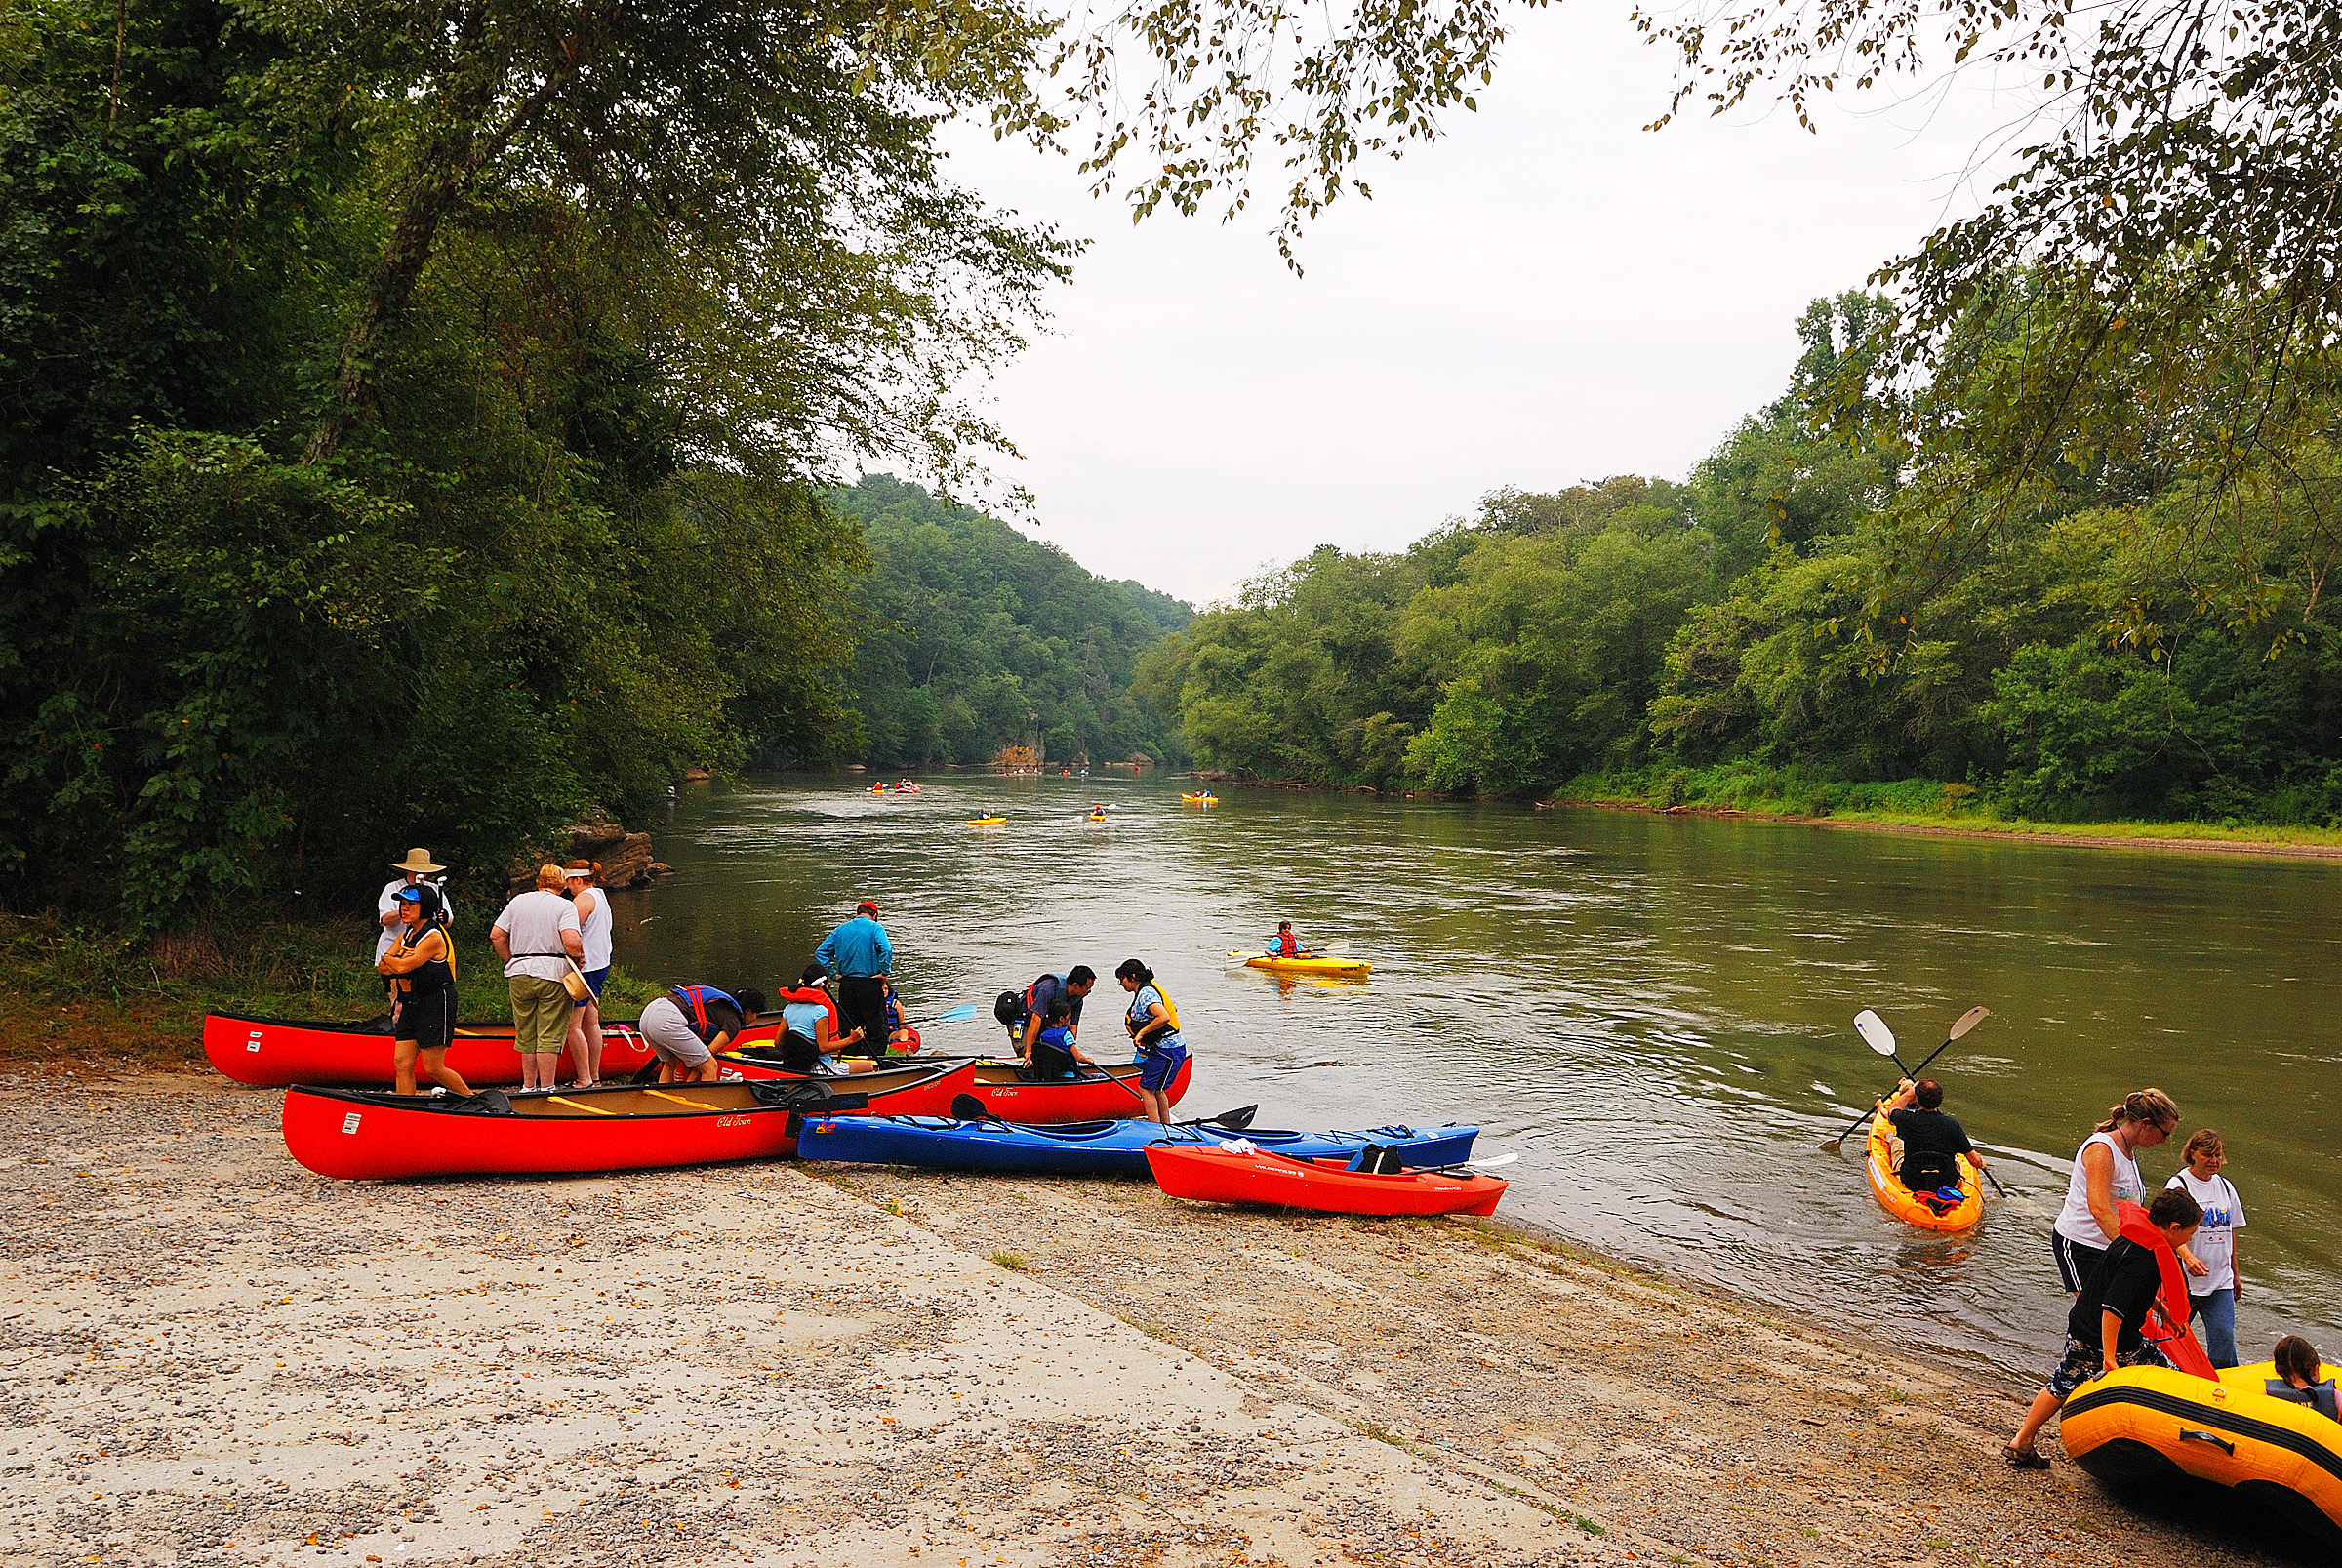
x: 275, y: 1053
x: 1109, y: 1097
x: 369, y: 1134
x: 1220, y: 1175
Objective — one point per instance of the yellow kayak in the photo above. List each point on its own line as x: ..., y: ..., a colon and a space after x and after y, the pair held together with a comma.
x: 1206, y: 799
x: 988, y: 822
x: 1302, y: 966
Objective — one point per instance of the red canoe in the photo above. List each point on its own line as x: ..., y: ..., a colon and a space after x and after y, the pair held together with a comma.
x: 273, y: 1051
x: 366, y: 1134
x: 1220, y: 1175
x: 1113, y: 1094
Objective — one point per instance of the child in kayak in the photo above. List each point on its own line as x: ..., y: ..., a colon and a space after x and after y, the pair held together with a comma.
x: 2210, y: 1260
x: 1285, y: 945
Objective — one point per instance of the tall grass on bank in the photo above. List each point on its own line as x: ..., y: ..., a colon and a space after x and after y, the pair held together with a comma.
x: 1793, y: 791
x: 80, y: 992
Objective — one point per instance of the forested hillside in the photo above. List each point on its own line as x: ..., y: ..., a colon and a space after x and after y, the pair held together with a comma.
x: 1827, y: 612
x: 975, y: 637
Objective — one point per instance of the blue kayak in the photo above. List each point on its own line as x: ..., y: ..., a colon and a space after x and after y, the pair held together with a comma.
x: 1090, y: 1148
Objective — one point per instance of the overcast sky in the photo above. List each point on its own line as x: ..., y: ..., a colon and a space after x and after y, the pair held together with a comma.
x: 1549, y: 295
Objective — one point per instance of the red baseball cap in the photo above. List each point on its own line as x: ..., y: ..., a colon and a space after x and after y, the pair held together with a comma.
x: 865, y: 907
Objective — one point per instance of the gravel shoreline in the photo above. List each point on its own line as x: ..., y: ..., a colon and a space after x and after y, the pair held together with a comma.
x: 220, y: 1358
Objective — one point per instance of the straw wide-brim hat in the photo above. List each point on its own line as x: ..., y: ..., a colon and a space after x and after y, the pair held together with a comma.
x: 418, y: 860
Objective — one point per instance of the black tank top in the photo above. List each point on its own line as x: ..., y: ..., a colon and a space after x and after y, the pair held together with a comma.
x: 434, y: 975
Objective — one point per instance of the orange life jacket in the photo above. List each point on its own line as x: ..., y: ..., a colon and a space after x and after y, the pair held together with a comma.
x: 2179, y: 1346
x: 817, y: 995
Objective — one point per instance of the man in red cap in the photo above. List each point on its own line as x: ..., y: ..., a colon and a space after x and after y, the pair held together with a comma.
x: 859, y: 954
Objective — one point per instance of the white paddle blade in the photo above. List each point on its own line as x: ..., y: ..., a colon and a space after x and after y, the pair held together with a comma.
x: 1875, y: 1032
x: 1492, y: 1162
x: 1970, y: 1020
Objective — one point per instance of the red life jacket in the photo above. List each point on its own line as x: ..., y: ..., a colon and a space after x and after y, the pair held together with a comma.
x: 820, y: 997
x: 694, y: 1000
x: 2179, y: 1346
x: 1284, y: 944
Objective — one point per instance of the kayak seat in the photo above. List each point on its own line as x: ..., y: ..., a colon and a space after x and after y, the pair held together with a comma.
x: 1377, y: 1159
x: 480, y: 1103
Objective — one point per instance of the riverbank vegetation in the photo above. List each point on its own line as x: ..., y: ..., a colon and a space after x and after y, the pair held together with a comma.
x: 75, y: 992
x: 1866, y: 598
x: 975, y: 638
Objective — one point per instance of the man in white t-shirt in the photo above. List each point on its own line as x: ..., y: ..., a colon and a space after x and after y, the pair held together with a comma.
x: 538, y: 939
x: 413, y: 869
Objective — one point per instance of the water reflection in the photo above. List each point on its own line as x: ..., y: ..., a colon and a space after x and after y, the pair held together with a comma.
x: 1656, y: 1011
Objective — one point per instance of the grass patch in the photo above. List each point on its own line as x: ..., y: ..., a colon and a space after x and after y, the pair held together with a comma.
x: 1381, y: 1434
x: 1010, y: 1260
x: 1799, y: 792
x: 71, y: 992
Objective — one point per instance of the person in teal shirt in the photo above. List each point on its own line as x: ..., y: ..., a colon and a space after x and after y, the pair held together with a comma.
x: 862, y: 958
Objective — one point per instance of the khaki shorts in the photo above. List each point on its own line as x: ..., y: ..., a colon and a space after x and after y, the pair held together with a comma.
x: 540, y: 1014
x: 671, y: 1038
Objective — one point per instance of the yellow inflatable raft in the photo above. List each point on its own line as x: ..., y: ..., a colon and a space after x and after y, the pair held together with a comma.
x: 1207, y: 798
x: 1897, y: 1199
x: 1349, y: 967
x: 2150, y: 1426
x: 988, y: 822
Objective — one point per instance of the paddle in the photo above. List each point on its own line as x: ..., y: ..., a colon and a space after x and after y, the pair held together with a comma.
x: 1881, y: 1039
x: 955, y: 1015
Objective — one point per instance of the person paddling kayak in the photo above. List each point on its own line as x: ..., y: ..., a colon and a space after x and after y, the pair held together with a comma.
x: 1932, y: 1141
x: 1285, y: 945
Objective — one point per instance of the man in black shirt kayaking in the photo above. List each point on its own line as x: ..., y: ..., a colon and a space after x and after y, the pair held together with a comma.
x: 1932, y: 1141
x: 2104, y: 1327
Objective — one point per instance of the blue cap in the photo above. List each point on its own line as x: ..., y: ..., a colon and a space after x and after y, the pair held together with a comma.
x: 408, y: 893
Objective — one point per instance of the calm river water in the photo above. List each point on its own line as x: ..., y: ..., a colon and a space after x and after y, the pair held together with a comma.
x: 1657, y: 1011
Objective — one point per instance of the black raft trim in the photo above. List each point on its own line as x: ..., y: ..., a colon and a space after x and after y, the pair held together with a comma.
x: 2285, y: 1437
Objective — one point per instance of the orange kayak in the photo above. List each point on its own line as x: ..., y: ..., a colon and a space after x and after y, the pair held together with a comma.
x: 1224, y: 1175
x: 1898, y: 1200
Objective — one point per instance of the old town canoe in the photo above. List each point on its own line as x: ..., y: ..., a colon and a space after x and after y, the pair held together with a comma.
x: 369, y: 1134
x: 273, y: 1052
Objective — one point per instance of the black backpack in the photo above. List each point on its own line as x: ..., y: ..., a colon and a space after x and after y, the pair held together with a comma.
x: 1009, y: 1009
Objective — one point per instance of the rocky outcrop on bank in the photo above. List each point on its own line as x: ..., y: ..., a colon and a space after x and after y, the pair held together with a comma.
x: 624, y: 858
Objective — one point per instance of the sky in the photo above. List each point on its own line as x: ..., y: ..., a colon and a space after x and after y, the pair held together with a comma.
x: 1548, y: 294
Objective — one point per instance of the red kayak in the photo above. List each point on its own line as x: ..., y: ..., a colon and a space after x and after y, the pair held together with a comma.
x: 1108, y: 1094
x: 368, y: 1135
x: 273, y: 1052
x: 1218, y: 1174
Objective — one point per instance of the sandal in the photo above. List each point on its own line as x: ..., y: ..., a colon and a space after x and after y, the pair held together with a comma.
x: 2025, y: 1459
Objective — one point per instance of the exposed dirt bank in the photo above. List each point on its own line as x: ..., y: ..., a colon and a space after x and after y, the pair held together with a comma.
x: 215, y: 1357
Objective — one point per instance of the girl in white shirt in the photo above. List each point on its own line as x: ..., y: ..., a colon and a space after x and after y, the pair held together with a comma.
x: 2210, y: 1260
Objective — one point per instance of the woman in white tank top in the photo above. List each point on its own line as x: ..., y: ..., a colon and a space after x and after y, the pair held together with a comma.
x: 593, y: 934
x: 2106, y: 1171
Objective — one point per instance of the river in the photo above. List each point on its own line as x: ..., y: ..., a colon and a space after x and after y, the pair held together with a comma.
x: 1655, y: 1011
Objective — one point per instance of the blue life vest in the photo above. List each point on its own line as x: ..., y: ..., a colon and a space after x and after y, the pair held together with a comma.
x: 694, y: 1000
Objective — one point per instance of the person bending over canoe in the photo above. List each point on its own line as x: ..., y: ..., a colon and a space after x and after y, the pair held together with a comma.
x: 2108, y: 1325
x: 1153, y: 1025
x: 810, y: 1042
x: 1285, y: 945
x: 1045, y: 994
x: 422, y: 966
x: 2106, y: 1171
x: 1932, y: 1141
x: 1054, y: 1054
x: 687, y: 1026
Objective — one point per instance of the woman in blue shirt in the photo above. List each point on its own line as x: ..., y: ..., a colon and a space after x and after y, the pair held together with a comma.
x: 1153, y: 1025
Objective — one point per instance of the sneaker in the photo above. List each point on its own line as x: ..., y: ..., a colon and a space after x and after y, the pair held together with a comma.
x: 2025, y: 1459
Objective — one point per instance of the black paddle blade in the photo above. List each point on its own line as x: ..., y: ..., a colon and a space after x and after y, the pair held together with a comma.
x: 1235, y: 1121
x: 967, y: 1107
x: 648, y: 1072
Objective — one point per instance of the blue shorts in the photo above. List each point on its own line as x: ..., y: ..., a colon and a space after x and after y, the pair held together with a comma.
x: 1161, y: 1066
x: 595, y: 979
